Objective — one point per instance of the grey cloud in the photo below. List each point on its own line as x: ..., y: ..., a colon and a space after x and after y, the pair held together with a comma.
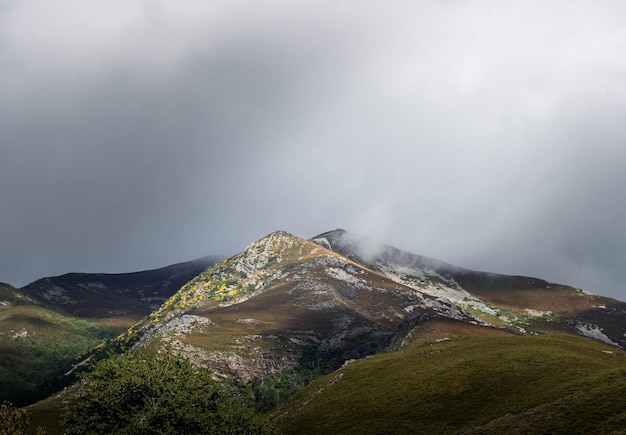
x: 486, y: 134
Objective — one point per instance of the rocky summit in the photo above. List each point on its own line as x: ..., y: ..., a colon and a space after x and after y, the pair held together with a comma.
x: 283, y: 300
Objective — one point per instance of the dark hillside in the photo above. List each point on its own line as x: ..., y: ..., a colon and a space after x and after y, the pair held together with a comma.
x: 544, y: 384
x: 119, y: 299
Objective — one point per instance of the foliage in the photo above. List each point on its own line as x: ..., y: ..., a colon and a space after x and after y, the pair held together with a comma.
x: 268, y: 392
x: 271, y: 391
x: 13, y: 421
x: 144, y: 394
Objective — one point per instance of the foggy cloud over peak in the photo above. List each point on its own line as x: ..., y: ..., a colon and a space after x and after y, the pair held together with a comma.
x: 489, y: 135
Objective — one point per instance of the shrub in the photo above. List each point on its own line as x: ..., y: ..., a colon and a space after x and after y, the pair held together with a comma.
x: 13, y: 421
x: 144, y: 394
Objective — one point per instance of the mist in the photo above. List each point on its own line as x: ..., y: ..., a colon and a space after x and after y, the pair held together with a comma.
x: 485, y: 134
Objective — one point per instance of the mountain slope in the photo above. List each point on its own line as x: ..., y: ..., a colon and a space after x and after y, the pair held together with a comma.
x: 49, y: 324
x: 37, y: 345
x: 119, y: 299
x: 523, y: 304
x: 541, y: 384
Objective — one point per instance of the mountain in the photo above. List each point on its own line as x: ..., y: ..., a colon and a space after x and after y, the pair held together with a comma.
x: 282, y: 301
x: 118, y: 299
x: 286, y: 301
x: 519, y: 303
x: 288, y: 308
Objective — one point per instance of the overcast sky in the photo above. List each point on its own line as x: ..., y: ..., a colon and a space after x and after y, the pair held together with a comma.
x: 140, y: 133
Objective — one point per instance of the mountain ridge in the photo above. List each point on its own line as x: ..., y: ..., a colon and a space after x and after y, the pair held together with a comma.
x: 521, y: 302
x: 286, y: 307
x: 120, y: 298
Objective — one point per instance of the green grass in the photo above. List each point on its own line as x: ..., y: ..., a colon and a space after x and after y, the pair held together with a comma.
x: 48, y: 413
x: 549, y: 383
x: 52, y: 342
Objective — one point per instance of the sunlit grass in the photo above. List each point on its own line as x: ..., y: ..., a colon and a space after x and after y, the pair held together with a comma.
x: 38, y: 345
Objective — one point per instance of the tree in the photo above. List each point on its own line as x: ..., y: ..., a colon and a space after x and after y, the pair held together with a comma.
x: 13, y: 421
x: 144, y: 394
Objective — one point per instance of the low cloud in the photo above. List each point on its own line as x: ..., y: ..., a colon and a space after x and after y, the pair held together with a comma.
x: 487, y: 135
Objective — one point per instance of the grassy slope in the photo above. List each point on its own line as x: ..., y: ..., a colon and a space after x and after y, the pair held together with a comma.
x: 541, y: 384
x: 51, y: 342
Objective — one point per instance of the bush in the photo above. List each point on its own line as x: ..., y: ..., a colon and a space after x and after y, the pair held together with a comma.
x: 13, y: 421
x: 144, y: 394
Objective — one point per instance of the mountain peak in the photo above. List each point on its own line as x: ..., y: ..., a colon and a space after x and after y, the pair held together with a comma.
x: 278, y: 233
x: 333, y: 233
x: 273, y: 248
x: 351, y: 245
x: 281, y: 298
x: 237, y: 278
